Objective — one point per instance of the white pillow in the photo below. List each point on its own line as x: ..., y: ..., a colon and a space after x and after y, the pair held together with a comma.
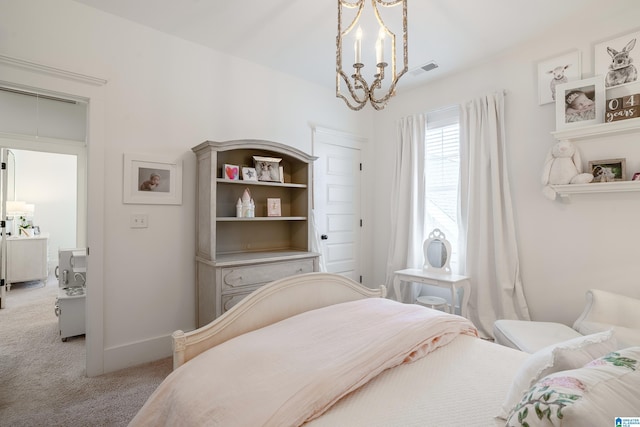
x: 594, y: 395
x: 571, y: 354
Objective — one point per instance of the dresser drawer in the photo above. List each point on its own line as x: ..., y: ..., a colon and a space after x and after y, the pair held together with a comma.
x: 240, y: 278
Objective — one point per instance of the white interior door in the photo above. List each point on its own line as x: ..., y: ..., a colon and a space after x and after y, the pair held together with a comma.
x: 3, y: 216
x: 337, y: 193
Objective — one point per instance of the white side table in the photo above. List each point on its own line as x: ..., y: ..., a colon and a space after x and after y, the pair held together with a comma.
x: 443, y: 280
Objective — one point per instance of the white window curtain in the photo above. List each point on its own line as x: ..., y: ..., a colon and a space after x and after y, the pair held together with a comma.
x: 489, y: 253
x: 408, y: 210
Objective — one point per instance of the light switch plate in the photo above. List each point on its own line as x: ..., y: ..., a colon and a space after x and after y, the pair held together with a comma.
x: 139, y: 220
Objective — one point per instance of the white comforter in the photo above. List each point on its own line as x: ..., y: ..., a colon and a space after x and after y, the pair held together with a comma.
x: 291, y: 372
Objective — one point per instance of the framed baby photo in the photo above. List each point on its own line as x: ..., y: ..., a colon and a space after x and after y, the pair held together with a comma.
x: 555, y: 71
x: 616, y: 60
x: 231, y: 172
x: 267, y: 168
x: 608, y: 170
x: 249, y: 174
x: 580, y: 103
x: 150, y: 179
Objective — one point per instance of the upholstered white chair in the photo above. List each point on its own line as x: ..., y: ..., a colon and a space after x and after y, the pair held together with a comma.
x: 603, y: 311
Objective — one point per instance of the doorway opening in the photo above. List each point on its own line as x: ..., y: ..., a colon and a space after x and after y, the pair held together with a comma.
x: 43, y: 140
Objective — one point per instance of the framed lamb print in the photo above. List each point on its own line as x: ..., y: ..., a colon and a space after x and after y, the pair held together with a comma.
x: 555, y: 71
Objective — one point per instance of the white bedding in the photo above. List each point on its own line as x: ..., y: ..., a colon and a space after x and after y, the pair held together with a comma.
x: 461, y: 384
x: 293, y: 370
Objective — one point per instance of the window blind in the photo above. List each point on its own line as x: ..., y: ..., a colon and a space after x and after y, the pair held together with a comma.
x: 442, y: 165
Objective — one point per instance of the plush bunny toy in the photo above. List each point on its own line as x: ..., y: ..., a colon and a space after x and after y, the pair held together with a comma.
x: 563, y: 166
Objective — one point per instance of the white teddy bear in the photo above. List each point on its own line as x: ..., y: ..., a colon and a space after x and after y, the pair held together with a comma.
x: 563, y: 166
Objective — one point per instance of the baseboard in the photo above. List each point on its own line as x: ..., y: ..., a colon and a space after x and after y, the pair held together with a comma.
x: 125, y: 356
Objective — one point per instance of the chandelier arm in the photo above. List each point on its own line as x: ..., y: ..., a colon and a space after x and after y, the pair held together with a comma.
x: 360, y: 101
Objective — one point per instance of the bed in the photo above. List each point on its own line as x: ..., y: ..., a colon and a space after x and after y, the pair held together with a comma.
x: 321, y: 350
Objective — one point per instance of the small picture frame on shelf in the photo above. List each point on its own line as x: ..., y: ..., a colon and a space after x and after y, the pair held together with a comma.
x: 273, y: 207
x: 267, y: 168
x: 608, y: 170
x: 636, y: 177
x: 580, y: 103
x: 231, y: 172
x: 249, y: 174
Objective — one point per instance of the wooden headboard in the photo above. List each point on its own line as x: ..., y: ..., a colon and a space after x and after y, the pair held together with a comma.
x: 271, y: 303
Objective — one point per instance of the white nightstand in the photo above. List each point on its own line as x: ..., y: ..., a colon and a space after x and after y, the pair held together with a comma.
x: 443, y: 280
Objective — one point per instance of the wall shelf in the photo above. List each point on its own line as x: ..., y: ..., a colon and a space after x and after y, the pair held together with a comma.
x: 261, y: 218
x: 260, y: 183
x: 566, y: 191
x: 590, y: 133
x: 599, y: 130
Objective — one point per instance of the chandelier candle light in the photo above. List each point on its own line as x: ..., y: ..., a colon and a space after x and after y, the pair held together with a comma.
x: 359, y: 90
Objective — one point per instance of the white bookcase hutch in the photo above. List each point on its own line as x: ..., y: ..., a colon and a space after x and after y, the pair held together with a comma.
x: 235, y: 256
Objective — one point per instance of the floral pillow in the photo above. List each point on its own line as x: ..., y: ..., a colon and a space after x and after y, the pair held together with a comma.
x: 571, y: 354
x: 593, y: 395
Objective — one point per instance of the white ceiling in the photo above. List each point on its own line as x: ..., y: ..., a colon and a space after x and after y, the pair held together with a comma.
x: 299, y: 37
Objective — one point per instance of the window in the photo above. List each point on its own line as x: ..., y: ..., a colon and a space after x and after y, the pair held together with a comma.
x: 442, y: 172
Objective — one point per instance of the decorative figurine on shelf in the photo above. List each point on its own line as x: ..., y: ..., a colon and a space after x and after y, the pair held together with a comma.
x: 563, y: 165
x: 245, y: 208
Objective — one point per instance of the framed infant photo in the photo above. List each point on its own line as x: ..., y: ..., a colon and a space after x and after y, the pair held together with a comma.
x: 617, y: 60
x: 554, y: 71
x: 149, y: 180
x: 580, y: 103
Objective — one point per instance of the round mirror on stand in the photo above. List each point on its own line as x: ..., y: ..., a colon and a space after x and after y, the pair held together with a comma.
x: 437, y: 252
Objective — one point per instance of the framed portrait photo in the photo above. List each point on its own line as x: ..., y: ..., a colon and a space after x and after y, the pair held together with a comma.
x: 149, y: 179
x: 249, y: 174
x: 267, y: 168
x: 554, y: 71
x: 616, y: 60
x: 608, y: 170
x: 580, y: 103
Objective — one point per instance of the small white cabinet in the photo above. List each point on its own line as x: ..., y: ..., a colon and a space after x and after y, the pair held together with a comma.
x: 27, y: 258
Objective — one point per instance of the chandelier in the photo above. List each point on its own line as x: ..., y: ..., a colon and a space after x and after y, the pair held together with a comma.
x: 380, y: 90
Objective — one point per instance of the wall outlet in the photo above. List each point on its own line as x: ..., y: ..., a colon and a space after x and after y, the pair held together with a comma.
x: 139, y: 221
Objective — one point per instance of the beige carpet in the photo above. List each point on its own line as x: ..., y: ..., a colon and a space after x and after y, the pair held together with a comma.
x: 42, y: 379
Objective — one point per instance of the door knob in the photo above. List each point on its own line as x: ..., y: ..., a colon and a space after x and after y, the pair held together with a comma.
x: 324, y: 237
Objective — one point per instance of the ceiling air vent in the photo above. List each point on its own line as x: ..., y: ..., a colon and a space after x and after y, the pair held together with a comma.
x: 431, y: 65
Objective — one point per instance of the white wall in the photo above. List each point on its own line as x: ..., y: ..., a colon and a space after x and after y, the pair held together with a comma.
x: 163, y: 96
x: 565, y: 249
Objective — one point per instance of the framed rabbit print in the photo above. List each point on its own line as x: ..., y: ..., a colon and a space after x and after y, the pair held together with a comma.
x: 617, y: 60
